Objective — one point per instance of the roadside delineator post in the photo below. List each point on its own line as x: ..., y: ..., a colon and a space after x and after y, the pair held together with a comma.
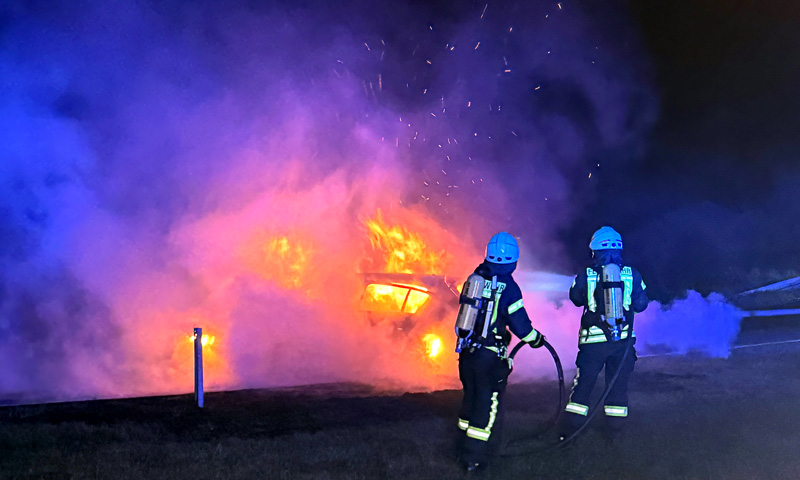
x: 198, y: 366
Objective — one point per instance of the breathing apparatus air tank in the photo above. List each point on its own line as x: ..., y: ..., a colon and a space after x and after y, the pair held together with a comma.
x: 612, y: 296
x: 471, y: 301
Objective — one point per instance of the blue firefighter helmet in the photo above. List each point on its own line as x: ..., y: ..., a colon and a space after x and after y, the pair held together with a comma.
x: 606, y: 238
x: 502, y: 248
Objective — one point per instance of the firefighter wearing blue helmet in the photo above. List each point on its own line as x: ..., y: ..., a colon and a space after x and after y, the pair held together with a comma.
x: 610, y: 293
x: 491, y: 310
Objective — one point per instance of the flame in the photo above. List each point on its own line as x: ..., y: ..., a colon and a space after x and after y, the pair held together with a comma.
x: 289, y: 258
x: 396, y: 297
x: 204, y: 340
x: 404, y: 251
x: 217, y: 369
x: 433, y: 345
x: 310, y: 267
x: 284, y: 259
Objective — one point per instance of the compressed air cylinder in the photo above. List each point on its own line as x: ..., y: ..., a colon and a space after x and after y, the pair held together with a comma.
x: 468, y: 312
x: 612, y: 295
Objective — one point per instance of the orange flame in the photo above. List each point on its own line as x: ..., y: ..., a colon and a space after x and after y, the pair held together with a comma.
x: 204, y: 340
x: 218, y: 371
x: 284, y: 259
x: 289, y: 259
x: 296, y: 260
x: 433, y: 345
x: 404, y: 251
x: 397, y: 297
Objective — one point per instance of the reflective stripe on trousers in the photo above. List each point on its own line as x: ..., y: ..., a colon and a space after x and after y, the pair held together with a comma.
x: 615, y: 411
x: 577, y: 408
x: 485, y: 433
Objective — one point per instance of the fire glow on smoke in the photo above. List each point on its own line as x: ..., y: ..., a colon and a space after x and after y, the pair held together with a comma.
x: 393, y: 316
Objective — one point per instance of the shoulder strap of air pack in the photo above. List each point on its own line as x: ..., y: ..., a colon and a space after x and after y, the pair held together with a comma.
x: 591, y: 286
x: 626, y: 275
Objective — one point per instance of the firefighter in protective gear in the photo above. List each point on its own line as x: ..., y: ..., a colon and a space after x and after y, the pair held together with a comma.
x: 483, y: 363
x: 603, y: 340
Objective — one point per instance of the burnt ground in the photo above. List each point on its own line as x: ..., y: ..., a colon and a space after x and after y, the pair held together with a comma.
x: 691, y: 418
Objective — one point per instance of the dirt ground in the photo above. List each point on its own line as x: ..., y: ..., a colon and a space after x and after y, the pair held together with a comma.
x: 691, y: 418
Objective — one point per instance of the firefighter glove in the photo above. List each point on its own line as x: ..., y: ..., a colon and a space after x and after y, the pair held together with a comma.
x: 538, y: 342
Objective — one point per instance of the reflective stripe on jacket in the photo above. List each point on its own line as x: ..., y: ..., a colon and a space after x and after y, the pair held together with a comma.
x: 596, y: 335
x: 592, y: 278
x: 584, y: 292
x: 508, y: 312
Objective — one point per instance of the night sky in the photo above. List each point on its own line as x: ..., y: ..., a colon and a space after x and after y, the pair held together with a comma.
x: 712, y: 204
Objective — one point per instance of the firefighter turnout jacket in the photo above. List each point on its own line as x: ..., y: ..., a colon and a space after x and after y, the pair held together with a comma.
x: 484, y: 367
x: 508, y: 312
x: 598, y: 352
x: 587, y: 291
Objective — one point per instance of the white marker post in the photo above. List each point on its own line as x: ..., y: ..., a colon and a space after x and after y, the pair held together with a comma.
x: 198, y: 366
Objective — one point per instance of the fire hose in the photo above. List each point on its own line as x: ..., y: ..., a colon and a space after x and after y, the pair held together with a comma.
x: 566, y: 441
x: 561, y: 391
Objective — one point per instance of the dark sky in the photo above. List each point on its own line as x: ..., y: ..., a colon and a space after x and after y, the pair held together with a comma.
x: 712, y: 204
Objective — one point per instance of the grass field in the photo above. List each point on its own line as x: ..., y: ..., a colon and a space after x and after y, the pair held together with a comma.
x: 691, y: 418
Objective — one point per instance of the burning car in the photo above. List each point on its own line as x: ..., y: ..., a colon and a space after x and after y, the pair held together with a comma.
x: 418, y: 311
x: 414, y: 310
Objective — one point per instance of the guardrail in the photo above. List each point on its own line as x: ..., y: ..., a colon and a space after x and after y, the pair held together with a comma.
x: 772, y: 313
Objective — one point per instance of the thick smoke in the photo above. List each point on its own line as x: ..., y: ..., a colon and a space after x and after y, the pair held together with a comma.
x: 167, y: 165
x: 694, y: 324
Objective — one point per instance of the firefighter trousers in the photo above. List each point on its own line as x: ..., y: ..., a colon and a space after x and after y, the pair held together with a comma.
x: 483, y: 376
x: 592, y: 359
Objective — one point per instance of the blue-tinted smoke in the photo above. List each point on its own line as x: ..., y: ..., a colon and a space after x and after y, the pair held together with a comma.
x: 700, y: 324
x: 695, y: 324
